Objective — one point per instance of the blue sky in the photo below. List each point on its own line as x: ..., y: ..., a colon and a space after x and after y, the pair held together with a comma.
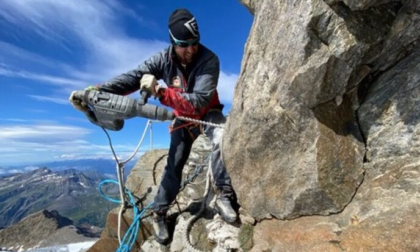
x: 49, y: 48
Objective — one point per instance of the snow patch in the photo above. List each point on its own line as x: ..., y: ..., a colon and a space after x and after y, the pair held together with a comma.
x: 81, y: 246
x: 74, y: 247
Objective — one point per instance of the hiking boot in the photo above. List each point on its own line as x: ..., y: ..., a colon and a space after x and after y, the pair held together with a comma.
x: 224, y: 207
x: 160, y: 228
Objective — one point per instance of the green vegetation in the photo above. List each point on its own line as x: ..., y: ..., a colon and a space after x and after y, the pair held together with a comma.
x: 92, y: 211
x: 245, y: 237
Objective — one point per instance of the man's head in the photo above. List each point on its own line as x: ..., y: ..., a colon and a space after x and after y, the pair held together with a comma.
x: 184, y: 35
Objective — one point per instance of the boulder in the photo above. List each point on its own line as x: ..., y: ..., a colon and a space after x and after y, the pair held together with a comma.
x: 292, y: 132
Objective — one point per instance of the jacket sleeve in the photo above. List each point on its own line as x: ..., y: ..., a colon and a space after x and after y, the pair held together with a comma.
x: 129, y: 82
x: 204, y: 89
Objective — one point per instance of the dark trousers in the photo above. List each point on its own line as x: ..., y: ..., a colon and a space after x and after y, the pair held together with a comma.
x: 179, y: 150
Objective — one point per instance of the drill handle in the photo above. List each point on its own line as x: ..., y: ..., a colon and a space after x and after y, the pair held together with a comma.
x: 144, y: 96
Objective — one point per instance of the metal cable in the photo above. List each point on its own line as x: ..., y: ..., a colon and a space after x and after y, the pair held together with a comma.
x: 201, y: 122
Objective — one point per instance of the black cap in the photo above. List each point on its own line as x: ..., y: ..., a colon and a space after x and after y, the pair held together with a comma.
x: 182, y: 25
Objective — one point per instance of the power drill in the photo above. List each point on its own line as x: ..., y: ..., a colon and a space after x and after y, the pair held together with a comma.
x: 110, y: 110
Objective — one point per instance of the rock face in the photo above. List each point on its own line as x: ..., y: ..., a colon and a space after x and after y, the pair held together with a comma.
x: 325, y: 120
x: 385, y: 210
x: 292, y: 128
x: 384, y: 214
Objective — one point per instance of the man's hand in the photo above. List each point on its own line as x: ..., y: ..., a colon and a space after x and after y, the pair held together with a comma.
x: 148, y: 82
x: 92, y: 88
x: 80, y: 105
x: 77, y: 104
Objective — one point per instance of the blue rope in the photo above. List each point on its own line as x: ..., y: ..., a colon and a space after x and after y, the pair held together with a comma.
x: 130, y: 236
x: 118, y: 201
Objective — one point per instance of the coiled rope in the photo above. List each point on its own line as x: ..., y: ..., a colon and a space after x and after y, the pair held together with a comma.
x: 128, y: 241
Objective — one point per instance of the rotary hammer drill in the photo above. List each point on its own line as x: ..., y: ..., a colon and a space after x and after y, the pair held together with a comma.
x: 110, y: 110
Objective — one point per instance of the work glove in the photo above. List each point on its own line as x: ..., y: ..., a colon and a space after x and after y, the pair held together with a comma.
x: 148, y: 82
x: 77, y: 104
x: 92, y: 88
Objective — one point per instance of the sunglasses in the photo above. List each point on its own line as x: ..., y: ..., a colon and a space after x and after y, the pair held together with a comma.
x: 184, y: 43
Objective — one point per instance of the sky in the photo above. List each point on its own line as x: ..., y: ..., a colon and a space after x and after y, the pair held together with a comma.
x: 48, y: 48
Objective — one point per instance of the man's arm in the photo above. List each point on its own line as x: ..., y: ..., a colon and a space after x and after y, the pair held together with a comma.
x: 129, y: 82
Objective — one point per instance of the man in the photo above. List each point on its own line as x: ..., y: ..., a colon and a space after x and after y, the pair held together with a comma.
x: 191, y: 72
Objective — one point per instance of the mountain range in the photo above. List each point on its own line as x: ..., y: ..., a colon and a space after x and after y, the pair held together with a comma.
x: 102, y: 165
x: 71, y: 192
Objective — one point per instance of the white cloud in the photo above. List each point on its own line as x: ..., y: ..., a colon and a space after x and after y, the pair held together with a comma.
x: 50, y: 99
x: 14, y: 171
x: 60, y: 81
x: 104, y: 154
x: 30, y: 168
x: 15, y: 55
x: 13, y: 120
x: 226, y: 87
x: 36, y: 143
x: 94, y: 25
x: 4, y: 171
x: 45, y: 132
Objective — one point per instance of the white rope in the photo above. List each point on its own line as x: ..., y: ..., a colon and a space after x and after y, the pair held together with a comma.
x: 120, y: 175
x: 122, y: 198
x: 151, y: 135
x: 149, y: 122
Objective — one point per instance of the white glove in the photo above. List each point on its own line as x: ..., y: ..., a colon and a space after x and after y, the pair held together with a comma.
x: 148, y: 82
x: 77, y: 104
